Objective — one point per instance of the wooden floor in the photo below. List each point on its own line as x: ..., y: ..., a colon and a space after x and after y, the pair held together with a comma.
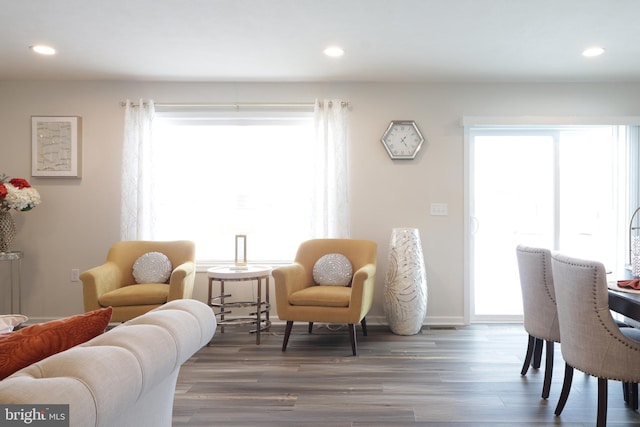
x: 466, y: 376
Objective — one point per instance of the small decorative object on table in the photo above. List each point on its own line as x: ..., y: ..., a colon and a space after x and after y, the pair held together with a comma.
x: 405, y: 294
x: 241, y: 252
x: 634, y: 244
x: 17, y: 194
x: 635, y: 256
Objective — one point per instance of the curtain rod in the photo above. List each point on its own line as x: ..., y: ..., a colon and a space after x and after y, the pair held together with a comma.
x: 236, y: 105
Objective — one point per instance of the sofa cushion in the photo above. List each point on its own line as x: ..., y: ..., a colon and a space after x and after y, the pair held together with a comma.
x: 36, y: 342
x: 333, y: 270
x: 142, y: 294
x: 152, y: 267
x: 322, y: 296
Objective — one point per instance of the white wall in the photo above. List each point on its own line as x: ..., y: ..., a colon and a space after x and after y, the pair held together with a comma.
x: 79, y: 218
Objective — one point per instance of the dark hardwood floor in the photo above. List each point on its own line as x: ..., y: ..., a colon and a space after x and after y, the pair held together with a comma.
x: 465, y: 376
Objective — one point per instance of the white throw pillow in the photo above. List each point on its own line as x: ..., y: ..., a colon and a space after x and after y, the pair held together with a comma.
x: 152, y: 267
x: 10, y: 321
x: 333, y: 270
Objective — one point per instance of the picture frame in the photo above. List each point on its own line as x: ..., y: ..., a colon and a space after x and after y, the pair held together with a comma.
x: 56, y: 146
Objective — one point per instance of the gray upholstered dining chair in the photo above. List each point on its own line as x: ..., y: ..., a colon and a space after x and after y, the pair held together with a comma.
x: 592, y: 342
x: 539, y: 307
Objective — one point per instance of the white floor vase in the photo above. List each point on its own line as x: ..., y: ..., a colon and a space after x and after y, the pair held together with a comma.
x: 405, y: 294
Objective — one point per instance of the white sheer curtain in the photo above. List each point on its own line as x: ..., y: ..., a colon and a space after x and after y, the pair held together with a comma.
x: 136, y: 212
x: 331, y: 174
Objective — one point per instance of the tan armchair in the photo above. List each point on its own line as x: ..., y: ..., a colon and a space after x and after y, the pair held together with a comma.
x: 299, y: 298
x: 113, y: 284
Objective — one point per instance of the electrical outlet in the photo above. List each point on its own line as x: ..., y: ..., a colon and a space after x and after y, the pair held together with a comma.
x: 75, y: 275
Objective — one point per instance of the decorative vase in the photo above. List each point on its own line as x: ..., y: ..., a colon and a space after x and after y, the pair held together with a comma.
x: 405, y: 294
x: 7, y: 231
x: 635, y: 256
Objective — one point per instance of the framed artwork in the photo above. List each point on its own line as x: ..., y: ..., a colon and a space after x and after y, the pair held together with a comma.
x: 56, y: 147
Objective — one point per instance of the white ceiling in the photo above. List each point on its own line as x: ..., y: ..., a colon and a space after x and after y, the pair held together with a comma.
x: 282, y: 40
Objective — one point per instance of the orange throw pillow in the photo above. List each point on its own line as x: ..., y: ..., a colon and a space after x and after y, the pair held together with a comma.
x: 33, y: 343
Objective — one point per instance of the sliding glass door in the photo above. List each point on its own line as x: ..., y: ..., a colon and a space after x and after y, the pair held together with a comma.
x: 563, y: 188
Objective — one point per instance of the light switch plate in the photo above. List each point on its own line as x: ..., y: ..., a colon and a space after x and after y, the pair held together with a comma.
x: 439, y: 209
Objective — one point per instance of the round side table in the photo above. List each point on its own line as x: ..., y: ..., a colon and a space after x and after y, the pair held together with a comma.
x: 222, y: 307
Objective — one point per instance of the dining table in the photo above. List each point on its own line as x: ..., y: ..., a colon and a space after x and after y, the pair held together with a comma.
x: 625, y: 302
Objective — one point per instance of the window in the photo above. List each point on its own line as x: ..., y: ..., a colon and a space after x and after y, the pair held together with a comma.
x: 224, y: 174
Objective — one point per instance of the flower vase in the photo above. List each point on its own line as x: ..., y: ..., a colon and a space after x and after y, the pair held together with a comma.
x: 7, y: 231
x: 405, y: 294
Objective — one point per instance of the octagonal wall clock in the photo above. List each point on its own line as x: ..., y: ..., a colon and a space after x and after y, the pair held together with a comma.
x: 402, y: 139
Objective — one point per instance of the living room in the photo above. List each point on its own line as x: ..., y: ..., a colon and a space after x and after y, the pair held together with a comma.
x: 79, y: 219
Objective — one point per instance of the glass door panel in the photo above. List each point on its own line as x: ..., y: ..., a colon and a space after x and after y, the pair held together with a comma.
x: 512, y: 203
x: 588, y: 195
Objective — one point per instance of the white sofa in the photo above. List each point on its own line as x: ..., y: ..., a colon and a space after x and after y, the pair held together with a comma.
x: 124, y: 377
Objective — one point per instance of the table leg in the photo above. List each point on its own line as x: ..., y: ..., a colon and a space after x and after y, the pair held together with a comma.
x: 259, y: 311
x: 11, y: 284
x: 268, y: 306
x: 209, y: 296
x: 222, y: 308
x: 19, y: 286
x: 15, y: 280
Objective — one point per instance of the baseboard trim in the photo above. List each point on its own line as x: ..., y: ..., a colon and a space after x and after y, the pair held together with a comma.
x: 371, y: 320
x: 382, y: 320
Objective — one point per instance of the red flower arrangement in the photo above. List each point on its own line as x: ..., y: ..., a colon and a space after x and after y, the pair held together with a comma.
x: 18, y: 194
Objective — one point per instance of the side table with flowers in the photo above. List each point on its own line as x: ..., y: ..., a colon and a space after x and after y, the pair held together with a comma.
x: 16, y: 194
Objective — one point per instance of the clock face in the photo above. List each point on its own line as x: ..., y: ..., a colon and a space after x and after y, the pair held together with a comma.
x: 402, y: 139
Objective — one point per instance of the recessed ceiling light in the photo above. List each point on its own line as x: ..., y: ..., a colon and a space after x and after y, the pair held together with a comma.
x: 593, y: 51
x: 42, y: 49
x: 334, y: 51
